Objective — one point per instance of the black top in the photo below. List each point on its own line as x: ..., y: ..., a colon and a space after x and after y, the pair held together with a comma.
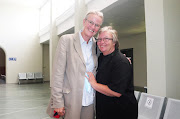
x: 115, y: 71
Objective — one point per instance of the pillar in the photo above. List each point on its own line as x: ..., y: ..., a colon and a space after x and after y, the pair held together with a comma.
x: 80, y: 12
x: 53, y: 35
x: 162, y: 42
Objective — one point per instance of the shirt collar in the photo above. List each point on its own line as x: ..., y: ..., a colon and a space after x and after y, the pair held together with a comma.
x: 82, y: 40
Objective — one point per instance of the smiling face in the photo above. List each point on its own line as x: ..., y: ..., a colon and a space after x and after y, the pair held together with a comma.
x: 91, y: 26
x: 106, y: 46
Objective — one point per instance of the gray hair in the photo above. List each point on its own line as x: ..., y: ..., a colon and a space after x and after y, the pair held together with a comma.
x: 98, y: 13
x: 113, y: 32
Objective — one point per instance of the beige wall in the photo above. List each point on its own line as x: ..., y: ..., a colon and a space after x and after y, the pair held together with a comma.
x: 138, y: 43
x: 172, y: 46
x: 19, y: 28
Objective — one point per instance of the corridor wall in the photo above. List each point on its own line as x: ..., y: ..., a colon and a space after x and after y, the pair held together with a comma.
x: 19, y: 28
x: 138, y: 43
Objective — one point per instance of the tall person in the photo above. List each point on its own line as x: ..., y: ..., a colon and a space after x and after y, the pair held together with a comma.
x: 71, y: 94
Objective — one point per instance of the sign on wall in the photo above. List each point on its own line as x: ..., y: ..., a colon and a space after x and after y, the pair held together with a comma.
x: 12, y: 59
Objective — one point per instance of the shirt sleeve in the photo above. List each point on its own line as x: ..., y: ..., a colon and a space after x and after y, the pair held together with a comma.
x: 121, y: 76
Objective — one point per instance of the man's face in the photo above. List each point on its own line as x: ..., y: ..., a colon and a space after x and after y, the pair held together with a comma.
x: 91, y: 25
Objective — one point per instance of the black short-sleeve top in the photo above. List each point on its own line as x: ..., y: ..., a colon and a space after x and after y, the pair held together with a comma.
x: 115, y: 71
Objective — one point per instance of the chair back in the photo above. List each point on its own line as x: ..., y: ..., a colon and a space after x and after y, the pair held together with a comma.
x: 150, y: 106
x: 30, y: 75
x: 38, y: 75
x: 137, y: 95
x: 172, y: 109
x: 22, y: 76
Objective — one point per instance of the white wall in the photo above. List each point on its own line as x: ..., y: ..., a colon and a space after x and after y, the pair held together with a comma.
x: 138, y: 43
x: 155, y: 47
x: 163, y: 46
x: 19, y: 28
x: 172, y: 45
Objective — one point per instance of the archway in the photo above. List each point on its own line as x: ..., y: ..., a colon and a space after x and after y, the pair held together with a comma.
x: 2, y: 66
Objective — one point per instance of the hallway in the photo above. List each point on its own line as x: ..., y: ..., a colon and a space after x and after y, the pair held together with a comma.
x: 26, y: 101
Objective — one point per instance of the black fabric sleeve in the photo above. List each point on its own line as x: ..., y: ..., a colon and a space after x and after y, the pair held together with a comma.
x: 121, y: 76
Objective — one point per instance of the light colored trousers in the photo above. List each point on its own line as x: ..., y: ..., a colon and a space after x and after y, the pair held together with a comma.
x: 87, y: 112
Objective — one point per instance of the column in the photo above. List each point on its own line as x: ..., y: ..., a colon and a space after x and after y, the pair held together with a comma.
x: 80, y: 12
x: 163, y: 44
x: 53, y: 35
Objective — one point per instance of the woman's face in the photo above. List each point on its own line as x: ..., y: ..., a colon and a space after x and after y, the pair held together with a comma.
x: 105, y: 43
x: 91, y: 26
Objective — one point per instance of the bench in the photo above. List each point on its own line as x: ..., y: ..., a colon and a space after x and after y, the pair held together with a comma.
x: 33, y: 77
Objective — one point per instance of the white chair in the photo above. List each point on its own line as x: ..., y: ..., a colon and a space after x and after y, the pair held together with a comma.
x: 39, y: 75
x: 22, y: 76
x: 172, y: 109
x: 137, y: 95
x: 30, y: 76
x: 150, y: 106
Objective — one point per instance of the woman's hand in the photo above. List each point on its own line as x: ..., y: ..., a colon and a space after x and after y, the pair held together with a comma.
x: 104, y: 89
x: 91, y: 78
x: 60, y: 111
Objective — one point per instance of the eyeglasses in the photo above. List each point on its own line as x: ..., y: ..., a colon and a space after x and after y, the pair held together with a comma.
x: 92, y: 23
x: 104, y: 39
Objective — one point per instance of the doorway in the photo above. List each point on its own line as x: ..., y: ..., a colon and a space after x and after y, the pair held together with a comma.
x: 46, y: 68
x: 129, y: 54
x: 2, y: 66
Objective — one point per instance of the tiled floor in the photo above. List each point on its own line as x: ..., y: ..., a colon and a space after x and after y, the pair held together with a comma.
x: 25, y: 101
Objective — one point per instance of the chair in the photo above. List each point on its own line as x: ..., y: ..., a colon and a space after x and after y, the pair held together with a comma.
x: 137, y: 95
x: 150, y: 106
x: 39, y: 75
x: 22, y: 76
x: 172, y: 109
x: 30, y: 76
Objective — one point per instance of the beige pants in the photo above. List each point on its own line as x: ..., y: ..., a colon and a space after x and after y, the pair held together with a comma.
x: 87, y: 112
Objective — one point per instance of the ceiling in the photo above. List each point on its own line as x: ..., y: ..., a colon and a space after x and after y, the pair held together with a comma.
x: 25, y: 3
x: 128, y: 18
